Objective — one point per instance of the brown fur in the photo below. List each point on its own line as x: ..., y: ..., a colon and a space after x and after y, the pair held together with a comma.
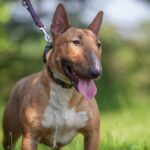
x: 30, y: 96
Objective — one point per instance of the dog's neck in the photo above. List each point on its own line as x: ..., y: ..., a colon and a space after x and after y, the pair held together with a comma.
x: 58, y: 75
x: 56, y: 91
x: 55, y: 75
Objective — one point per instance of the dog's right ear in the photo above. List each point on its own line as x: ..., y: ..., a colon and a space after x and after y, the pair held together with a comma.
x: 60, y: 21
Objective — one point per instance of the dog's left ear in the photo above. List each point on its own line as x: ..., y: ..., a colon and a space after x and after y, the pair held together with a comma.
x: 96, y: 24
x: 60, y: 22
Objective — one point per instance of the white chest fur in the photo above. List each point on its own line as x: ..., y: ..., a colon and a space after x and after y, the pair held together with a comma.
x: 64, y: 121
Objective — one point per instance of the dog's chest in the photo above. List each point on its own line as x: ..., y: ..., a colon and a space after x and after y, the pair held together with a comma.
x: 63, y: 121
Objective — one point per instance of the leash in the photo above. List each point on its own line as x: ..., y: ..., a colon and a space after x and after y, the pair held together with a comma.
x: 27, y: 4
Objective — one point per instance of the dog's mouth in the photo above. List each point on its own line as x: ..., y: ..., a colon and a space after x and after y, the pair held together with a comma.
x: 85, y: 86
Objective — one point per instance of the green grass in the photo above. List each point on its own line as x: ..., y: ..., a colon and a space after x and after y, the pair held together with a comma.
x: 125, y: 129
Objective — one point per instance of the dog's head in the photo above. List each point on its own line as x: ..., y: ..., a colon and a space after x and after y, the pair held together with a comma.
x: 76, y: 52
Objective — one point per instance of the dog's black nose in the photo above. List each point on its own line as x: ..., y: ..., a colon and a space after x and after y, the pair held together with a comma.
x: 94, y: 73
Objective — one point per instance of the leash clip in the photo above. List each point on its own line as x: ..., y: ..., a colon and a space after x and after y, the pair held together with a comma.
x: 24, y: 3
x: 46, y: 36
x: 27, y: 4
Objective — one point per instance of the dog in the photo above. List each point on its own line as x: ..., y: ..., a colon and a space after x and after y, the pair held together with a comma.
x: 54, y: 105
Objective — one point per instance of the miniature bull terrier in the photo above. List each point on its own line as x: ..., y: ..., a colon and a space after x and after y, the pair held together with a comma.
x: 54, y: 105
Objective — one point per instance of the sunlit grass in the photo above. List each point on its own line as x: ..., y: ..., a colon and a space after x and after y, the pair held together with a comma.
x: 124, y: 129
x: 127, y: 129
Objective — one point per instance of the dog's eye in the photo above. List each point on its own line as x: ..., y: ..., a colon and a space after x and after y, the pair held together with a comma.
x: 76, y: 42
x: 99, y: 44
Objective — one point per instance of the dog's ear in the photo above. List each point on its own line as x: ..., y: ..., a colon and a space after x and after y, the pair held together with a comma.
x: 60, y: 22
x: 97, y: 22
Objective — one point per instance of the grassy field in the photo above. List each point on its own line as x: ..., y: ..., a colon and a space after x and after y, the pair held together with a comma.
x: 124, y: 129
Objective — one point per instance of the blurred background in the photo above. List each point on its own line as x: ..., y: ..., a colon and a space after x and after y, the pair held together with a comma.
x: 124, y: 88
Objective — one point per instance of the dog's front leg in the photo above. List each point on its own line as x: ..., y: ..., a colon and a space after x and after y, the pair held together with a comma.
x: 91, y: 141
x: 29, y: 143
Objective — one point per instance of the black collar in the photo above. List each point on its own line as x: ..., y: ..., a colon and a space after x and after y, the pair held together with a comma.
x: 58, y: 81
x: 49, y: 47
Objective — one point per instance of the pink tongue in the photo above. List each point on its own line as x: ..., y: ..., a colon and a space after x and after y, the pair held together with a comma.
x: 87, y: 88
